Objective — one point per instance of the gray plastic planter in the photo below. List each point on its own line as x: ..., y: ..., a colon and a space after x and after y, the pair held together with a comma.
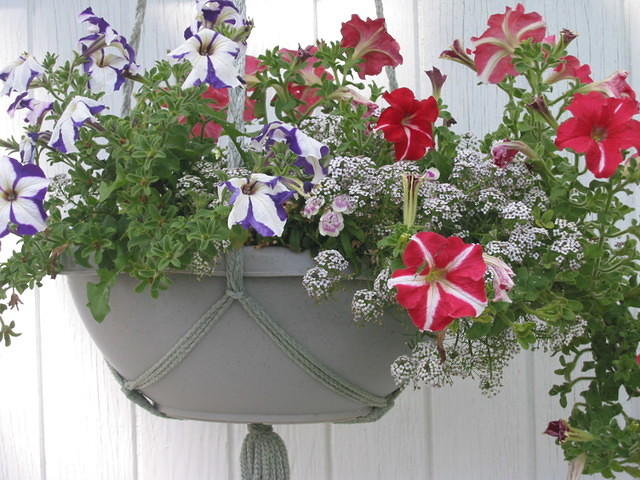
x: 236, y: 373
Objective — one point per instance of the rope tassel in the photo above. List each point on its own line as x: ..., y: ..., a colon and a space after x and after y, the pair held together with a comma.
x: 263, y: 455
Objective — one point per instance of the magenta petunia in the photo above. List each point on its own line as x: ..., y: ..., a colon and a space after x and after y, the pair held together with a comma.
x: 444, y: 280
x: 372, y: 43
x: 494, y: 49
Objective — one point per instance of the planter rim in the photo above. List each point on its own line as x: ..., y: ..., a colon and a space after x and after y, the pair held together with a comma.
x: 258, y: 262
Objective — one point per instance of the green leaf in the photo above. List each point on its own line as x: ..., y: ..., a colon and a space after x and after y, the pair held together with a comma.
x: 98, y: 294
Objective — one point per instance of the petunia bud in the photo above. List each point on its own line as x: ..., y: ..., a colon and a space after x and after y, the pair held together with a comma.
x: 410, y: 187
x: 562, y: 431
x: 458, y: 53
x: 501, y: 274
x: 437, y: 81
x: 539, y: 105
x: 566, y: 37
x: 505, y: 151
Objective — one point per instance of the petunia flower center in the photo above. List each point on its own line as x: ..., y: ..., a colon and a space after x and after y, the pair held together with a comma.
x: 249, y: 188
x: 9, y: 195
x: 435, y: 275
x: 207, y: 49
x: 598, y: 133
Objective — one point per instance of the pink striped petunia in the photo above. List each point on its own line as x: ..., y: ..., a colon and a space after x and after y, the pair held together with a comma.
x: 444, y: 280
x: 494, y: 48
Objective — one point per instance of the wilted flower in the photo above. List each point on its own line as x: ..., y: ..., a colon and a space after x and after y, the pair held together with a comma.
x: 222, y: 16
x: 22, y: 191
x: 505, y: 151
x: 562, y: 431
x: 614, y: 85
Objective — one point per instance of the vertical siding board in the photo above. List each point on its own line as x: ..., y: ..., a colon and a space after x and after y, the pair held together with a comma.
x: 87, y: 421
x: 394, y: 447
x: 20, y: 415
x: 84, y: 411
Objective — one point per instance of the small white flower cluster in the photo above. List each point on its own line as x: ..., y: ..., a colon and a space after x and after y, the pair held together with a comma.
x: 553, y: 338
x: 325, y: 129
x: 424, y: 366
x: 331, y: 267
x: 442, y: 205
x: 368, y: 305
x: 189, y: 184
x: 202, y: 267
x: 524, y: 242
x: 567, y: 244
x: 484, y: 360
x: 58, y: 186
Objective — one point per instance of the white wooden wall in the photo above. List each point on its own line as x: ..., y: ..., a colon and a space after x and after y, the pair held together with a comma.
x: 61, y: 414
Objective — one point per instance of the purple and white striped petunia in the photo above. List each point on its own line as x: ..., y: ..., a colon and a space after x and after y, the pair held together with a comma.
x: 28, y: 147
x: 36, y: 108
x: 22, y: 191
x: 19, y: 74
x: 308, y: 150
x: 212, y: 56
x: 65, y: 131
x: 216, y: 15
x: 109, y: 57
x: 258, y: 202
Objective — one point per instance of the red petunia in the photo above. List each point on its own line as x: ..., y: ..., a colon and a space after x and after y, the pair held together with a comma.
x: 444, y: 280
x: 408, y: 123
x: 372, y: 43
x: 494, y: 48
x: 615, y: 85
x: 601, y: 127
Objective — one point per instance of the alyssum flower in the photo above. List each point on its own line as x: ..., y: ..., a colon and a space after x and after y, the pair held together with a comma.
x: 22, y: 191
x: 444, y: 280
x: 258, y: 203
x: 212, y: 56
x: 66, y: 130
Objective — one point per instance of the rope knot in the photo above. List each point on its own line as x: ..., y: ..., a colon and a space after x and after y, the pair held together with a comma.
x: 235, y: 294
x: 263, y: 455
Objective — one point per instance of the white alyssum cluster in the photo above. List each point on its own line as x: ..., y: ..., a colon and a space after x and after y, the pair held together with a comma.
x: 567, y: 244
x: 483, y: 360
x: 553, y: 338
x: 331, y: 267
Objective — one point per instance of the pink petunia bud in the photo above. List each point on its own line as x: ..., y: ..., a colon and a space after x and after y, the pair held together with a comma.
x: 331, y: 223
x: 457, y: 53
x: 437, y: 81
x: 566, y: 37
x: 501, y: 274
x: 504, y: 152
x: 539, y: 105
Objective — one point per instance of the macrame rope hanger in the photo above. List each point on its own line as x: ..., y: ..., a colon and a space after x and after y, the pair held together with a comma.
x: 263, y: 455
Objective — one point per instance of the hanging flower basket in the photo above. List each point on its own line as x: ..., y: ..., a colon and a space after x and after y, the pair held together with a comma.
x: 297, y: 361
